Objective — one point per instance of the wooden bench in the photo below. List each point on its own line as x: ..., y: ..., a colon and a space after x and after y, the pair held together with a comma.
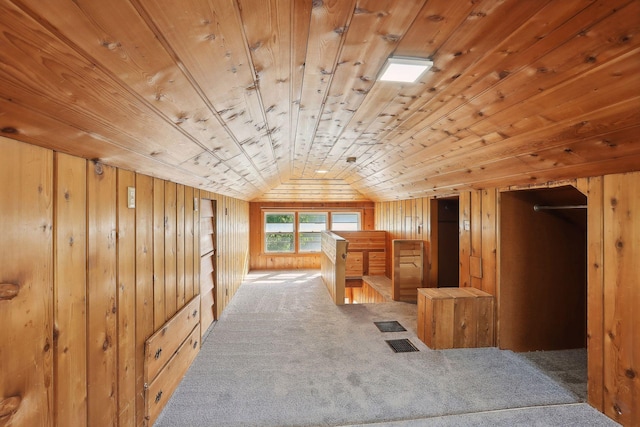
x: 374, y: 289
x: 455, y: 317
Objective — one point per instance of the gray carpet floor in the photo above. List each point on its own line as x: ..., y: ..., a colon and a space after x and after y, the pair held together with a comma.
x: 282, y: 354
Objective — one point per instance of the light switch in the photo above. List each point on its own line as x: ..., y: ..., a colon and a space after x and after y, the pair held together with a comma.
x: 131, y: 197
x: 195, y: 204
x: 467, y: 225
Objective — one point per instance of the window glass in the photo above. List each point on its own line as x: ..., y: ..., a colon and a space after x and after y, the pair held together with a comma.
x: 345, y: 221
x: 279, y: 232
x: 309, y: 227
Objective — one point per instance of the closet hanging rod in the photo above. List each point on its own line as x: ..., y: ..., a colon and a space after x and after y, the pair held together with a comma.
x: 541, y: 207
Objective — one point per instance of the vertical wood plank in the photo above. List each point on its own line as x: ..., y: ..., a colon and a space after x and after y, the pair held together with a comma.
x: 196, y: 244
x: 189, y: 262
x: 101, y: 295
x: 221, y: 283
x: 144, y: 282
x: 126, y: 294
x: 433, y: 238
x: 592, y: 188
x: 443, y: 319
x: 70, y: 257
x: 489, y: 240
x: 465, y: 238
x: 465, y: 322
x: 158, y: 254
x: 26, y: 254
x: 622, y: 297
x: 170, y: 232
x: 180, y: 247
x: 476, y: 234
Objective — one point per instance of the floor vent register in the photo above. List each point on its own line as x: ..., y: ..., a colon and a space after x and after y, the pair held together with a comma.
x: 390, y: 326
x: 401, y: 346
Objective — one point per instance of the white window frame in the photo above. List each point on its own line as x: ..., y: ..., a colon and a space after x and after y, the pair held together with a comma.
x: 328, y: 211
x: 267, y: 233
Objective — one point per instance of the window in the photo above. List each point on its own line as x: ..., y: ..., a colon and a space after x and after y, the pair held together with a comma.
x: 300, y: 232
x: 309, y: 227
x: 279, y: 232
x: 345, y: 221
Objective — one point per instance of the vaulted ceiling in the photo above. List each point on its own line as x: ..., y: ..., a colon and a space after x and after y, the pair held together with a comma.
x: 251, y: 98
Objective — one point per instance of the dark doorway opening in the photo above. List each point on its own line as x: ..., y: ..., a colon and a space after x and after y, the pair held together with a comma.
x: 445, y: 241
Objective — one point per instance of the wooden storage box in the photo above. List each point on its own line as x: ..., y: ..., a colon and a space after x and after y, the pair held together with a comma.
x: 406, y: 269
x: 455, y: 317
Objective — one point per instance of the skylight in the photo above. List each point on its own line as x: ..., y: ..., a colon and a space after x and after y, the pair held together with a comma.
x: 403, y: 69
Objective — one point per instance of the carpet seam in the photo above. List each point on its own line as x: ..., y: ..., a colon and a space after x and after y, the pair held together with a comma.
x: 492, y: 411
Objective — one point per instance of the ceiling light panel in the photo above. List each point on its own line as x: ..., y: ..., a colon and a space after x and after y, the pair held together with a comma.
x: 404, y: 70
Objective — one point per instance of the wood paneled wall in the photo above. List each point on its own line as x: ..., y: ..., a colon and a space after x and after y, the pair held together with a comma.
x: 613, y: 248
x: 262, y: 261
x: 233, y: 246
x: 613, y: 294
x: 85, y: 280
x: 27, y: 347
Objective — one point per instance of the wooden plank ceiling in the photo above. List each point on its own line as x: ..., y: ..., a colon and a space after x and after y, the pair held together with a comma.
x: 251, y: 98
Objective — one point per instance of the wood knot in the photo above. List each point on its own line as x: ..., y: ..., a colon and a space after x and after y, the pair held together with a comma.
x: 630, y: 373
x: 619, y: 244
x: 317, y: 3
x: 9, y: 406
x: 9, y: 291
x: 9, y: 130
x: 391, y: 38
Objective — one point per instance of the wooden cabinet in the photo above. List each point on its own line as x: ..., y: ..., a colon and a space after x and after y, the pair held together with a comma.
x: 168, y: 354
x: 455, y: 317
x: 366, y: 253
x: 407, y: 269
